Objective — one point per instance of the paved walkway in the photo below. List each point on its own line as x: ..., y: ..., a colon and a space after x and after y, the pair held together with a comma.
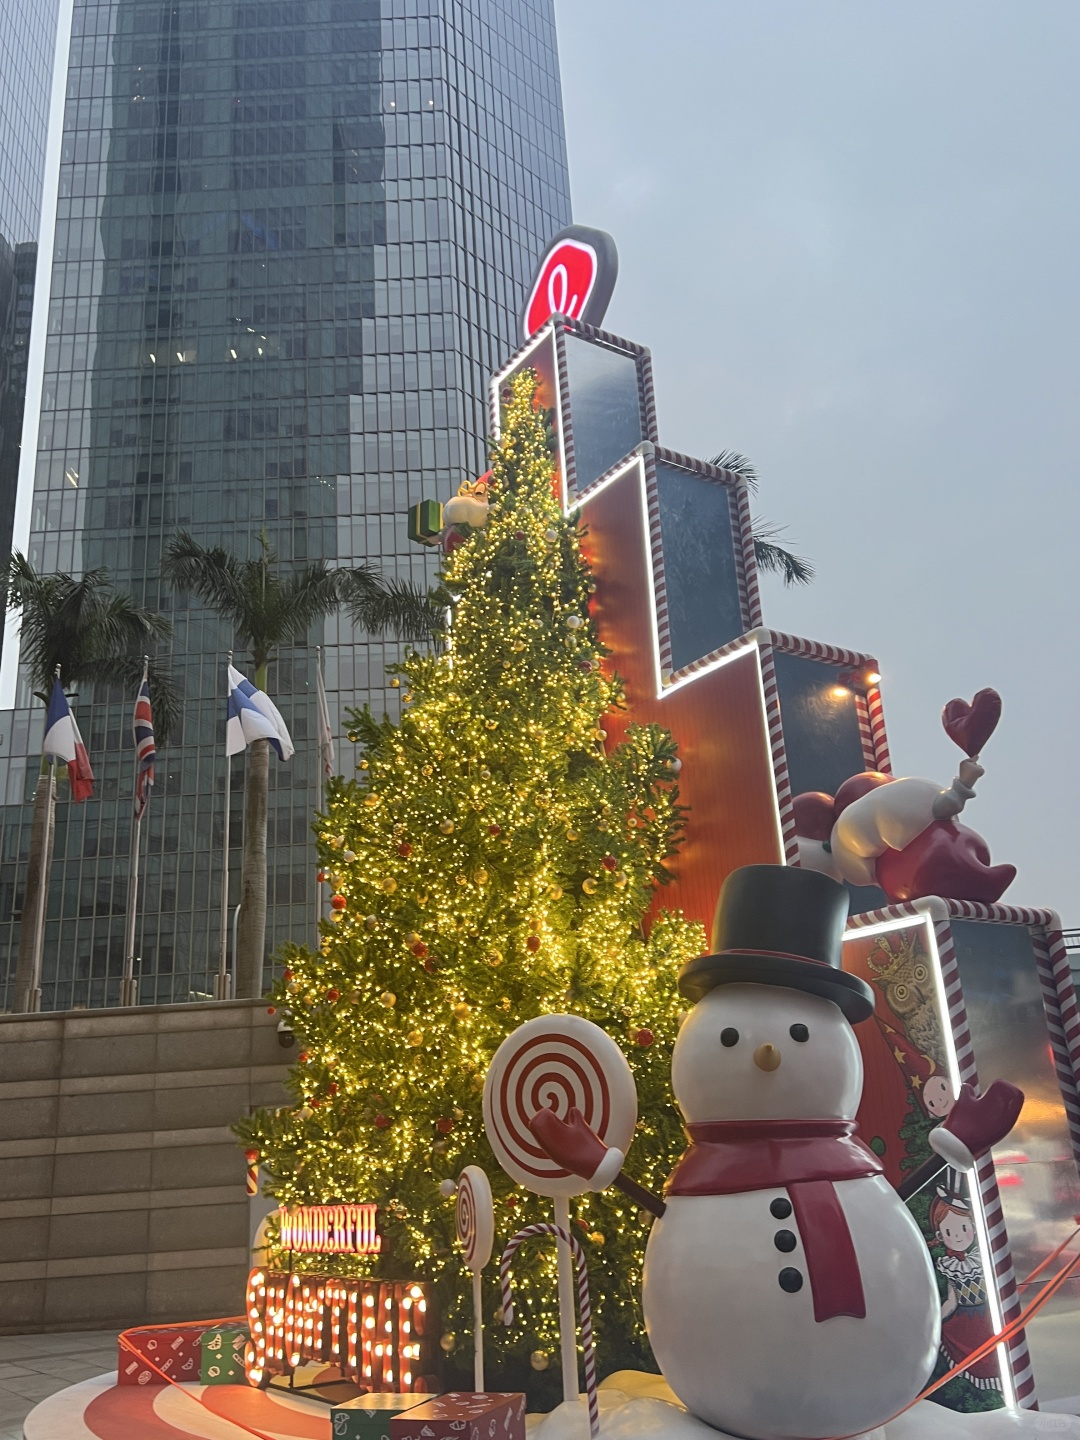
x: 34, y: 1366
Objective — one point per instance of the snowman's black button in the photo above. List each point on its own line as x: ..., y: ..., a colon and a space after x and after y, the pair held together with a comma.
x: 790, y: 1279
x: 780, y: 1208
x: 784, y: 1240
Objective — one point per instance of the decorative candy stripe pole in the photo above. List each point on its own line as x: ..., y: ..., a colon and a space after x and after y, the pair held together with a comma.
x: 584, y: 1304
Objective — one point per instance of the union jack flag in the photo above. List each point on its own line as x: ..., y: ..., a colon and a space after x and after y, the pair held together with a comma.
x: 142, y: 728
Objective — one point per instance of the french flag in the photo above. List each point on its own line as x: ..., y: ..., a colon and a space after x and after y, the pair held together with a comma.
x: 63, y: 742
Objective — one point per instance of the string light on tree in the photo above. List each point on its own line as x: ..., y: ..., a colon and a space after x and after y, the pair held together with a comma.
x: 494, y: 875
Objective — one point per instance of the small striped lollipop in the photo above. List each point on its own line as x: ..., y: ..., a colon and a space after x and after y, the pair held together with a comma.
x: 556, y: 1062
x: 474, y: 1220
x: 474, y: 1217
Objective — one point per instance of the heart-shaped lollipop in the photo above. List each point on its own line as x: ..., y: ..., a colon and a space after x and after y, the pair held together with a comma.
x: 970, y: 726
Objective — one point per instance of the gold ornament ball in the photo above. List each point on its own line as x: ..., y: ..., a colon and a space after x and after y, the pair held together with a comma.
x: 462, y: 1011
x: 446, y: 826
x: 485, y: 774
x: 572, y: 836
x: 394, y: 683
x: 448, y: 1342
x: 539, y: 1359
x: 621, y: 878
x: 573, y: 622
x: 414, y: 1039
x: 555, y: 891
x: 371, y: 801
x: 518, y: 646
x: 493, y: 958
x: 371, y: 922
x: 388, y: 998
x: 411, y: 938
x: 336, y: 916
x: 481, y: 877
x: 589, y: 885
x: 597, y: 1237
x: 462, y: 879
x: 491, y: 724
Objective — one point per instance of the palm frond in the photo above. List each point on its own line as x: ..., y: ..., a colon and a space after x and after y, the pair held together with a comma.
x: 737, y: 464
x: 778, y: 559
x: 380, y: 605
x: 79, y: 624
x: 214, y: 575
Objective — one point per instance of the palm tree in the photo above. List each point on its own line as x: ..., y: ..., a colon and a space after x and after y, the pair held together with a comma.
x: 91, y: 633
x: 268, y: 610
x: 769, y: 553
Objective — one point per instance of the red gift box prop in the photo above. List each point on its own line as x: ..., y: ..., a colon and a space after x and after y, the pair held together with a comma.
x: 176, y: 1353
x: 463, y: 1415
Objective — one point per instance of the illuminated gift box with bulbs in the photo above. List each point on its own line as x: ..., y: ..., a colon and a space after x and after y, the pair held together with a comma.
x: 379, y: 1334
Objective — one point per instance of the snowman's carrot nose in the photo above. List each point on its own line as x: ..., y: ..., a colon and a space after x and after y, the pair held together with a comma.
x: 767, y: 1057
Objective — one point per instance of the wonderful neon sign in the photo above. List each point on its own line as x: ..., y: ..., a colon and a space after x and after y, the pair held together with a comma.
x: 330, y: 1230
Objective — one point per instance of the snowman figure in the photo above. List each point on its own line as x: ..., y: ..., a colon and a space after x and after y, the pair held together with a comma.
x: 787, y: 1290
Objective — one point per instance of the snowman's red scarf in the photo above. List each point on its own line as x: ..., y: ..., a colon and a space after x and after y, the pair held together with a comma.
x: 805, y: 1157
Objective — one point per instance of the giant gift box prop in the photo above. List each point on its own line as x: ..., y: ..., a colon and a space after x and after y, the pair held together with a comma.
x: 463, y: 1415
x: 368, y: 1417
x: 176, y: 1353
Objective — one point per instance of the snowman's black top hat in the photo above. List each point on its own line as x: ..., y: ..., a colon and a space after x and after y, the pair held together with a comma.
x: 778, y: 925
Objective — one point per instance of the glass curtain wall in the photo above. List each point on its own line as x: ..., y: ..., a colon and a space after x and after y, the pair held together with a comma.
x: 27, y: 44
x: 291, y: 242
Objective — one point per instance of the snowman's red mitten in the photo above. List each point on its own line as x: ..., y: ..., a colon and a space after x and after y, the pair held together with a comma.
x: 976, y: 1122
x: 572, y: 1144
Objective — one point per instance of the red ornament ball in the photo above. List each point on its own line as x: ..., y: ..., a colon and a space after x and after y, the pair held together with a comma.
x: 494, y: 829
x: 320, y: 876
x: 381, y: 1122
x: 444, y: 1124
x: 644, y: 1037
x: 338, y: 902
x: 286, y: 974
x: 302, y: 1057
x: 332, y: 995
x: 430, y: 965
x: 609, y: 862
x: 519, y: 534
x: 404, y: 849
x: 419, y: 949
x: 533, y: 942
x: 332, y: 1088
x: 511, y: 1202
x: 270, y: 1010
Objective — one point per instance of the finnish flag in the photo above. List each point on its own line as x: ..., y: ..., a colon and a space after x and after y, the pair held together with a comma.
x: 253, y: 716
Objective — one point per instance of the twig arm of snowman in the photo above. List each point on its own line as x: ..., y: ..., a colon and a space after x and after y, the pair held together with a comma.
x: 572, y: 1144
x: 972, y: 1127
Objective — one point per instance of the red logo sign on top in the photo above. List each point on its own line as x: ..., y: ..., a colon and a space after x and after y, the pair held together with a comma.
x: 575, y: 277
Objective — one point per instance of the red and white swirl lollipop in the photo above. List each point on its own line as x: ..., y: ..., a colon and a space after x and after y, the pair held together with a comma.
x: 474, y: 1220
x: 474, y: 1217
x: 556, y: 1062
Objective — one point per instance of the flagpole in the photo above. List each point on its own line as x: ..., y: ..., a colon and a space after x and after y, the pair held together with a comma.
x: 33, y: 997
x: 221, y: 980
x: 129, y: 986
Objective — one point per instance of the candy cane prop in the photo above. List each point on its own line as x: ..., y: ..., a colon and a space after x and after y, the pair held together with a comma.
x: 474, y: 1220
x: 584, y: 1306
x: 557, y: 1062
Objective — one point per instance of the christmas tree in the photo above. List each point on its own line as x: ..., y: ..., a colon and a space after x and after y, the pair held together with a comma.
x: 492, y: 862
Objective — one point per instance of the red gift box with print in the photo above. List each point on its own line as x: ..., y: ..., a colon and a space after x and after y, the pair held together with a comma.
x: 176, y: 1353
x: 463, y: 1415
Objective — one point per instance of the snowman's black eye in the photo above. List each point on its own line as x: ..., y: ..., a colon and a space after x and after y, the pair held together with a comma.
x: 799, y: 1032
x: 729, y: 1036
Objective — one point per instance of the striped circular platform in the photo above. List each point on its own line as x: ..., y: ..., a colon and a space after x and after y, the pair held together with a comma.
x: 99, y: 1409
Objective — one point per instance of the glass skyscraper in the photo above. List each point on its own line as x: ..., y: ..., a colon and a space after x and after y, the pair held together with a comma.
x: 291, y: 242
x: 27, y: 45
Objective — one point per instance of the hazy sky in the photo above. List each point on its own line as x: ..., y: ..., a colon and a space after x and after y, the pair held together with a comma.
x: 849, y: 233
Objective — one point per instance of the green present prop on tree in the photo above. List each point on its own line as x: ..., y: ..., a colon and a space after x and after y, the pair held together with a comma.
x: 426, y: 522
x: 222, y: 1360
x: 368, y: 1416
